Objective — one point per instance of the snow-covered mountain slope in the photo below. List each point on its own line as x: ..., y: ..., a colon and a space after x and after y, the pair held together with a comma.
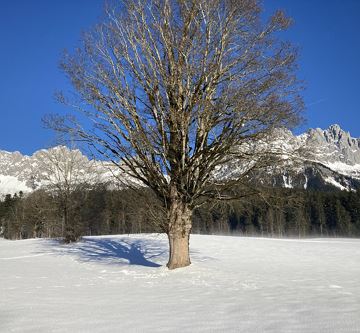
x: 329, y: 158
x: 336, y: 149
x: 317, y: 159
x: 235, y: 284
x: 48, y: 166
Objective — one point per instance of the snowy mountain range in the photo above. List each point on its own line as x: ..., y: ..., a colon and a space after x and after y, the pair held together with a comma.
x: 48, y: 166
x: 330, y: 158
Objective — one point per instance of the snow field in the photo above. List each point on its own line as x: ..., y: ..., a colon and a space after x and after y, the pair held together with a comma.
x: 235, y: 284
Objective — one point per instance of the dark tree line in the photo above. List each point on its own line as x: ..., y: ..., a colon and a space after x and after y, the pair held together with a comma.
x: 99, y: 211
x: 95, y: 211
x: 287, y: 212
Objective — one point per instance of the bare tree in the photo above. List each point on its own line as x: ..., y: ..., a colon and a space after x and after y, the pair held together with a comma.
x: 175, y: 90
x: 65, y: 172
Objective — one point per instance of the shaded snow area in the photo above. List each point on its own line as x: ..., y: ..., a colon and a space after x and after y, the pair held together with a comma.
x: 120, y: 284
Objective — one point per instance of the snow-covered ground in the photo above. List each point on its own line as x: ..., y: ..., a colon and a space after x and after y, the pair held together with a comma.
x: 120, y: 284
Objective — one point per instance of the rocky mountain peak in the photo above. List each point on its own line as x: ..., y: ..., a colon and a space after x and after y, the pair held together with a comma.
x: 335, y: 152
x: 335, y: 129
x: 336, y: 134
x: 334, y: 145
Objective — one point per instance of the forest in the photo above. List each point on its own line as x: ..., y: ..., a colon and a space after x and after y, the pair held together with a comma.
x: 100, y: 211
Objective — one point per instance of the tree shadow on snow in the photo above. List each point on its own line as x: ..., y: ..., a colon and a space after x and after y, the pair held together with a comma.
x: 120, y: 251
x: 116, y: 251
x: 135, y: 253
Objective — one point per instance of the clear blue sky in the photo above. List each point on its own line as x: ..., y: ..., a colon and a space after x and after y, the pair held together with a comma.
x: 33, y: 34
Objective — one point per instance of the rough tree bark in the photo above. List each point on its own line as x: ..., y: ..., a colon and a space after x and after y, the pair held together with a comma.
x: 179, y: 229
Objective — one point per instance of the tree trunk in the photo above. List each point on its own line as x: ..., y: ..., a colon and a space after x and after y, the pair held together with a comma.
x: 179, y: 218
x: 70, y: 234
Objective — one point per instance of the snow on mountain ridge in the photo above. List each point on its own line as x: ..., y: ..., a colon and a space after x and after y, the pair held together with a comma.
x: 26, y: 173
x: 335, y: 152
x: 336, y: 149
